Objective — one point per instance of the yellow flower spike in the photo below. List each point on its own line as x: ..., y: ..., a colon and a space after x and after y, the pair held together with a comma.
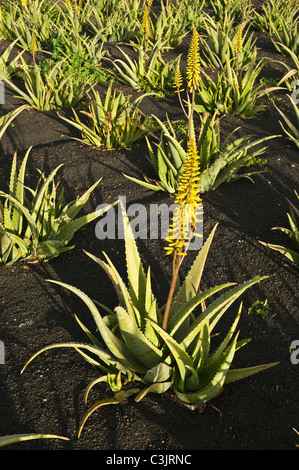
x: 33, y: 45
x: 188, y: 202
x: 145, y: 24
x: 193, y: 67
x: 24, y: 2
x: 1, y: 15
x: 239, y: 39
x: 178, y: 79
x: 68, y: 3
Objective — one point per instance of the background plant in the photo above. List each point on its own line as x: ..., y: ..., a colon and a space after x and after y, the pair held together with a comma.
x: 292, y: 233
x: 52, y: 88
x: 113, y: 122
x: 37, y: 227
x: 149, y: 72
x: 290, y: 129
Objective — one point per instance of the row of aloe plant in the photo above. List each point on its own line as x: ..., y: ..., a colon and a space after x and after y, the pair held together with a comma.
x: 147, y: 348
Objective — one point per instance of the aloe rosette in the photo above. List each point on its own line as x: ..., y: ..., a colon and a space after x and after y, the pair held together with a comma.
x: 138, y: 356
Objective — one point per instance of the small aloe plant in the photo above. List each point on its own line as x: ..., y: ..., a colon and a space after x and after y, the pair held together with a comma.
x: 38, y: 228
x: 292, y: 232
x: 146, y: 348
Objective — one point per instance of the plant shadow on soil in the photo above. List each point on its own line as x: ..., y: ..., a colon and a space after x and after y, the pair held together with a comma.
x: 258, y: 413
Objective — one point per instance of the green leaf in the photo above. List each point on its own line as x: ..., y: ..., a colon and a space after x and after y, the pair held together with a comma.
x: 13, y: 438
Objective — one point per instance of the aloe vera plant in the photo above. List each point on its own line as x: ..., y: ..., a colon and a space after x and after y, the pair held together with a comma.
x: 292, y: 232
x: 113, y: 122
x: 220, y: 162
x: 135, y: 349
x: 54, y: 89
x: 39, y: 228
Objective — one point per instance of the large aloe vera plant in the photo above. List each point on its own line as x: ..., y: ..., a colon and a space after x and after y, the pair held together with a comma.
x: 138, y: 355
x: 38, y: 227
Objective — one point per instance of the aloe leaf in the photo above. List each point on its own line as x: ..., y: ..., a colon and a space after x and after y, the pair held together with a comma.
x: 111, y: 274
x: 24, y: 210
x: 237, y: 374
x: 287, y: 252
x: 154, y: 388
x: 105, y: 356
x: 214, y: 387
x: 136, y: 341
x: 216, y: 309
x: 72, y: 209
x: 177, y: 350
x: 67, y: 231
x: 118, y: 398
x: 191, y: 282
x: 136, y: 275
x: 117, y: 347
x: 159, y: 373
x: 183, y: 312
x: 13, y: 438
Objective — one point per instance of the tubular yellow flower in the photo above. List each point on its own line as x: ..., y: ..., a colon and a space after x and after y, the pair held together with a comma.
x: 24, y: 2
x: 239, y: 39
x: 193, y: 67
x: 178, y: 79
x: 33, y: 45
x: 1, y: 15
x: 145, y: 25
x: 188, y: 202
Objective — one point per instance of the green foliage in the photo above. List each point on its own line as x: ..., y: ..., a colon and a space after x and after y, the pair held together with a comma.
x: 52, y: 89
x: 7, y: 69
x: 290, y: 129
x: 38, y: 227
x: 114, y: 122
x: 259, y: 307
x: 219, y: 161
x: 36, y: 18
x: 234, y: 91
x: 218, y: 45
x: 149, y: 73
x: 292, y: 233
x: 12, y: 439
x: 272, y: 14
x: 81, y: 57
x: 135, y: 349
x: 288, y: 35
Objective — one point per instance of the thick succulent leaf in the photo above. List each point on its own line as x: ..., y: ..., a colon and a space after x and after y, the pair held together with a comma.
x: 68, y: 230
x: 118, y: 398
x: 136, y: 275
x: 32, y: 228
x: 160, y: 373
x: 216, y: 309
x: 183, y: 360
x: 214, y: 387
x: 228, y: 337
x: 113, y: 278
x: 180, y: 316
x: 103, y: 355
x: 72, y: 209
x: 146, y: 352
x: 192, y: 281
x: 287, y: 252
x: 154, y: 388
x: 117, y: 347
x: 237, y: 374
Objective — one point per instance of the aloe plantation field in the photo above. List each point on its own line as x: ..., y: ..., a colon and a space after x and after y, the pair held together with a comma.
x: 121, y: 99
